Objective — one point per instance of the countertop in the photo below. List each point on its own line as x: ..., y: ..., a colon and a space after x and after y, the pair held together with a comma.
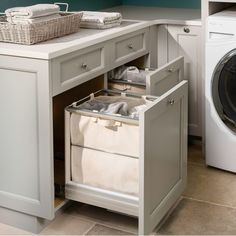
x: 160, y: 15
x: 141, y: 17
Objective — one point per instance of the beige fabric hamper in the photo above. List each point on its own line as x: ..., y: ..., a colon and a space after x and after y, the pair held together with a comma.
x: 104, y: 148
x: 105, y: 170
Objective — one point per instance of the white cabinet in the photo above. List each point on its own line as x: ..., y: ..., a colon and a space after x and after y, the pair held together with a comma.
x: 26, y: 165
x: 162, y: 157
x: 179, y: 40
x: 28, y: 90
x: 186, y: 41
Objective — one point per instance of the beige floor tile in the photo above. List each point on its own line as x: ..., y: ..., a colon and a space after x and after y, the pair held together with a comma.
x: 195, y: 154
x: 193, y: 217
x: 67, y: 225
x: 103, y: 216
x: 9, y: 230
x: 104, y: 230
x: 210, y: 184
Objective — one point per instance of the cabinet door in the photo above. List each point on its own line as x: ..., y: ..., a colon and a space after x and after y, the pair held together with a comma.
x: 186, y: 41
x: 163, y: 157
x: 166, y: 77
x: 26, y: 167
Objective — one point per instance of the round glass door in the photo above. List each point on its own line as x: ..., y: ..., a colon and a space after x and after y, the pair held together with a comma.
x: 224, y: 89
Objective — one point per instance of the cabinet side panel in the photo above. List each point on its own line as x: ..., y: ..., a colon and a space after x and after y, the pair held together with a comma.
x: 26, y: 150
x: 18, y: 136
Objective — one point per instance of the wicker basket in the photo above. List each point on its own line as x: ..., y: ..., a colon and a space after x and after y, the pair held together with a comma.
x: 41, y: 31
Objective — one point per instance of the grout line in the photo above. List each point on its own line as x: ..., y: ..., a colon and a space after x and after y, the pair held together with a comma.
x: 117, y: 228
x: 211, y: 203
x: 94, y: 223
x: 100, y: 222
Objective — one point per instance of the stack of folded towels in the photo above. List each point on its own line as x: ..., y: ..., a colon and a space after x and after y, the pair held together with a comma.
x: 100, y: 20
x: 32, y: 14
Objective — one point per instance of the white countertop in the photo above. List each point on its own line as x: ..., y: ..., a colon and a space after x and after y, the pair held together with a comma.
x: 87, y: 37
x: 160, y: 15
x: 60, y: 46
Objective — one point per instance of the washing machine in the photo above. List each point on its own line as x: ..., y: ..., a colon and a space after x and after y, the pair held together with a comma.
x: 220, y: 90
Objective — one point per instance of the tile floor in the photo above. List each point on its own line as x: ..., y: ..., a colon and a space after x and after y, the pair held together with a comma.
x: 208, y: 206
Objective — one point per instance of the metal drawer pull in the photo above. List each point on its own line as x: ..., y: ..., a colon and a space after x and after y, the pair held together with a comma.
x: 170, y: 70
x: 84, y: 66
x: 130, y: 46
x: 186, y: 30
x: 171, y: 101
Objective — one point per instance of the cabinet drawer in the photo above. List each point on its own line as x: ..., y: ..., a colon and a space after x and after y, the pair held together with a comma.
x: 81, y: 64
x: 77, y: 68
x: 130, y: 47
x: 159, y: 169
x: 154, y: 81
x: 164, y: 78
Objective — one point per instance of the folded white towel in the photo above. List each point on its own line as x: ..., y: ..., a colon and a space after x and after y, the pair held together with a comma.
x: 99, y: 26
x: 100, y: 20
x: 101, y: 17
x: 16, y: 20
x: 34, y: 11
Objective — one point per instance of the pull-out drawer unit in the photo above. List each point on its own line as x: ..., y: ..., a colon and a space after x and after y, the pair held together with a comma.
x: 148, y: 81
x: 128, y: 155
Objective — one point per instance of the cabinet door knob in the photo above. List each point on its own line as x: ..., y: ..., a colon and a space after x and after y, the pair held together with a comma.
x: 84, y: 66
x: 130, y: 46
x: 186, y: 30
x: 171, y: 101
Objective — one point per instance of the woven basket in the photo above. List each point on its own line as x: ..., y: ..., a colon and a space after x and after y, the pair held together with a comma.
x: 41, y: 31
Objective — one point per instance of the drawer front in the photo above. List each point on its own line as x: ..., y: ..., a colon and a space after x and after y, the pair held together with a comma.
x: 158, y: 81
x: 163, y: 158
x: 166, y: 77
x: 78, y: 67
x: 81, y: 64
x: 128, y: 48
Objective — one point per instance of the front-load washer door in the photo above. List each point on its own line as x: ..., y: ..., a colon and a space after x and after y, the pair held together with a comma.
x: 224, y: 89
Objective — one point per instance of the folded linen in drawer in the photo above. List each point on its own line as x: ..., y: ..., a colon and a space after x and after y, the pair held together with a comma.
x: 119, y: 138
x: 105, y: 170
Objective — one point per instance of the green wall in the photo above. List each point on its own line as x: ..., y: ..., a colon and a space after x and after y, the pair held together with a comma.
x: 99, y: 4
x: 74, y: 4
x: 165, y: 3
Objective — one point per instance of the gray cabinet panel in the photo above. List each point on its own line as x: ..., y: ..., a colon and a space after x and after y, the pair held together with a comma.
x: 163, y: 135
x: 26, y: 174
x: 186, y: 41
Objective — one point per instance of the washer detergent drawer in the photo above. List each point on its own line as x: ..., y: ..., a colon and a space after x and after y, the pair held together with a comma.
x: 157, y: 176
x: 155, y: 82
x: 77, y: 67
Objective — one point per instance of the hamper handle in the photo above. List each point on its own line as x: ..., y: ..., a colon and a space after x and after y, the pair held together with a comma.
x: 62, y: 4
x: 107, y: 123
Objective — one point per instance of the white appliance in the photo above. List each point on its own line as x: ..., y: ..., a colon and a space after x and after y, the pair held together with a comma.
x: 220, y: 90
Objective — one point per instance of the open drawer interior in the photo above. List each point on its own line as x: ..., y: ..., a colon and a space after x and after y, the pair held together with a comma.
x: 103, y: 132
x: 137, y: 77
